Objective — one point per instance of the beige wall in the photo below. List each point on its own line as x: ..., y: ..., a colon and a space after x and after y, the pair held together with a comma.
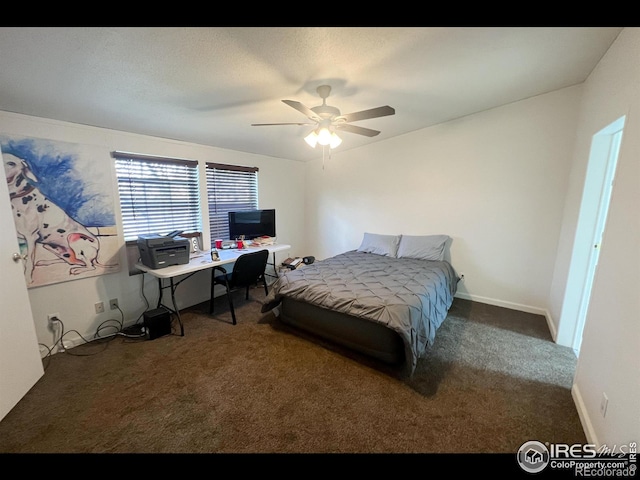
x: 505, y: 184
x: 609, y: 360
x: 495, y: 182
x: 74, y: 300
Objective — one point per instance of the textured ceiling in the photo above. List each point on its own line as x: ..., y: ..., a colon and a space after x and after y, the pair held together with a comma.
x: 207, y: 85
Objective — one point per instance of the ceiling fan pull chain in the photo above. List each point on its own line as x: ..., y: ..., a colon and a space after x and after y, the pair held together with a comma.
x: 323, y: 157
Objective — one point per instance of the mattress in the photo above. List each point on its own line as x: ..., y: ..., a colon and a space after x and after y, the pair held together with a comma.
x: 407, y: 296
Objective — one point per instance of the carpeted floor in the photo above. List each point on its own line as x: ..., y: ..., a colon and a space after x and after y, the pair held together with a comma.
x: 492, y: 381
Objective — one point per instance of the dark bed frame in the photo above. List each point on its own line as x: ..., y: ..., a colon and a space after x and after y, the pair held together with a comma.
x: 363, y: 336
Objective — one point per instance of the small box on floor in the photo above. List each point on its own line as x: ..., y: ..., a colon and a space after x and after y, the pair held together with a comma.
x: 157, y: 322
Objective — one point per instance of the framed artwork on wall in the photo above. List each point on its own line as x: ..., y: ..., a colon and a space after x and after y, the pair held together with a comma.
x: 63, y: 207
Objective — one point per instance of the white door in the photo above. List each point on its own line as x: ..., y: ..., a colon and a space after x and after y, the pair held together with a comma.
x: 20, y: 361
x: 604, y: 155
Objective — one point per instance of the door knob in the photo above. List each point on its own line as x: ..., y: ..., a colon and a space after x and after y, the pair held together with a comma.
x: 17, y: 257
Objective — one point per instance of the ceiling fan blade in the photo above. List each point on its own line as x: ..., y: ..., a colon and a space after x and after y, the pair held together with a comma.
x: 269, y: 124
x: 303, y: 109
x: 359, y: 130
x: 366, y: 114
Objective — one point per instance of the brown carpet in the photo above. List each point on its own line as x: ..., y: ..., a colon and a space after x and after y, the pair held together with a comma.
x: 492, y: 381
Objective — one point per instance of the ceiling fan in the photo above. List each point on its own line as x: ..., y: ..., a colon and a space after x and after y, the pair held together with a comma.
x: 328, y: 119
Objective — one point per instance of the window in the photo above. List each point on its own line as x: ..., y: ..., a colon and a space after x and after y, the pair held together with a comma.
x: 157, y: 195
x: 230, y: 188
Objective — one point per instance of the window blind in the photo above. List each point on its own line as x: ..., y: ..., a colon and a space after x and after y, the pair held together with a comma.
x: 230, y: 188
x: 157, y: 195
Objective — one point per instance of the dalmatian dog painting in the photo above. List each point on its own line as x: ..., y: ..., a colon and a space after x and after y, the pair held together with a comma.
x: 57, y: 244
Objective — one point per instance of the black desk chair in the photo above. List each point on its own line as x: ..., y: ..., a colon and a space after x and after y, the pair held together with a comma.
x: 248, y: 270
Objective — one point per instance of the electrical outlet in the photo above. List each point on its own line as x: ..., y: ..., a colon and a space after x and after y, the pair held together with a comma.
x: 462, y: 277
x: 604, y: 403
x: 113, y: 303
x: 53, y: 316
x: 99, y: 307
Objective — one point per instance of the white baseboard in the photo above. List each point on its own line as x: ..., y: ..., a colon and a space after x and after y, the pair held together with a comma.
x: 585, y: 420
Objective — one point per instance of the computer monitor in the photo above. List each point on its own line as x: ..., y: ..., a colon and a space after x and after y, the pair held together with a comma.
x: 252, y: 224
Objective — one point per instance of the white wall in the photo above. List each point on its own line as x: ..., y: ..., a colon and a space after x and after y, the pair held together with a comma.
x: 494, y: 181
x: 609, y: 359
x: 506, y: 184
x: 74, y: 300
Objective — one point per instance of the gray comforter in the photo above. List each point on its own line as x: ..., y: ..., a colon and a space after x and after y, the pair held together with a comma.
x: 410, y: 296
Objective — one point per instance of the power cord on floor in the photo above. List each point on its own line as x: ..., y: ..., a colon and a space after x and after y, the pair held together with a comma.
x: 135, y: 332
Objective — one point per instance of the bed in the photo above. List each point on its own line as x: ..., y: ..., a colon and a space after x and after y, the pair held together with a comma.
x: 385, y: 300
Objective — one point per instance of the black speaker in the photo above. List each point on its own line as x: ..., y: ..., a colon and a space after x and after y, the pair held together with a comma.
x: 157, y: 322
x: 308, y: 260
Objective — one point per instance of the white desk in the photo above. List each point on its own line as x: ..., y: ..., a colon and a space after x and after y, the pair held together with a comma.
x: 195, y: 265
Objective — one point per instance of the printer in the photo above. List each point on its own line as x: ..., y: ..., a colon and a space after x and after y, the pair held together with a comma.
x: 159, y: 251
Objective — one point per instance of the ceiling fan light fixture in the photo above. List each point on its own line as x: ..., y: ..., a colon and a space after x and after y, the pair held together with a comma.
x: 335, y: 140
x: 324, y: 136
x: 327, y: 118
x: 312, y: 139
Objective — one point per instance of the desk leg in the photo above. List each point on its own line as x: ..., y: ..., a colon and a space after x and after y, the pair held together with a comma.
x: 173, y: 300
x: 275, y: 270
x: 160, y: 288
x: 175, y: 307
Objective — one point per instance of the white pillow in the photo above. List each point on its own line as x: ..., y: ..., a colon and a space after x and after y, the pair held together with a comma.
x: 424, y: 247
x: 380, y: 244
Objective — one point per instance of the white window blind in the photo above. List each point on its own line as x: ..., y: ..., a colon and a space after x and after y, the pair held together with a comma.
x: 157, y: 195
x: 230, y: 188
